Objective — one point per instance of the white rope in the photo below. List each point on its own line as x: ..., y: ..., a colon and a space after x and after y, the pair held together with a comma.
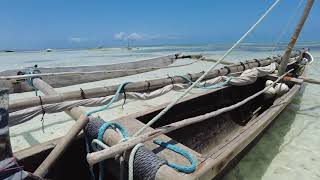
x: 131, y: 160
x: 165, y: 110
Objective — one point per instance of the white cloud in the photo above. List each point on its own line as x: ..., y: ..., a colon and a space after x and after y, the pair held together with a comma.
x: 77, y: 39
x: 137, y: 36
x: 120, y: 36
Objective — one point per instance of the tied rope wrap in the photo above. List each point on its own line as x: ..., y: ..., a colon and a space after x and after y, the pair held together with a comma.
x: 114, y: 98
x: 114, y: 125
x: 30, y: 79
x: 144, y: 161
x: 43, y: 113
x: 105, y: 126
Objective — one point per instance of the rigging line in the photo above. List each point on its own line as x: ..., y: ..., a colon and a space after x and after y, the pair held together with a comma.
x: 158, y: 116
x: 285, y: 29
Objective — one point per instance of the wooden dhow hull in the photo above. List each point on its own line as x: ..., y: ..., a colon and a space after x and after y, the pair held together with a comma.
x: 214, y: 142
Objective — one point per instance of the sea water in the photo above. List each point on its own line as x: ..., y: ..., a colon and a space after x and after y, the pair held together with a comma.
x: 289, y: 149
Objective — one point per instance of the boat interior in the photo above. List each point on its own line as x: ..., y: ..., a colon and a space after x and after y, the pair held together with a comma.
x: 205, y: 138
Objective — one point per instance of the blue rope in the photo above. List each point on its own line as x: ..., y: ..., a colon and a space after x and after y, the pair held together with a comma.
x: 101, y: 131
x: 106, y: 125
x: 220, y: 84
x: 30, y: 81
x: 191, y: 159
x: 114, y: 98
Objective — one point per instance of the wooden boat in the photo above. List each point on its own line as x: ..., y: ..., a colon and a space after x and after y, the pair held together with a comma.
x: 208, y: 130
x: 16, y: 80
x: 214, y: 142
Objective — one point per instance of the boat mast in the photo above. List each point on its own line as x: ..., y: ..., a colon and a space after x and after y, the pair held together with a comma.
x: 286, y: 56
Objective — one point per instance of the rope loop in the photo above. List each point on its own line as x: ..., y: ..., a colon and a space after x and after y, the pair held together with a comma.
x: 114, y: 98
x: 83, y: 95
x: 190, y: 76
x: 257, y: 61
x: 172, y: 80
x: 43, y: 113
x: 148, y: 86
x: 113, y: 125
x: 228, y: 69
x: 243, y: 66
x: 184, y: 153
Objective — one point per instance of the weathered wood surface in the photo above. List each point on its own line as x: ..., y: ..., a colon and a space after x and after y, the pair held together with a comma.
x: 5, y: 145
x: 66, y: 76
x: 75, y: 113
x: 310, y: 80
x: 99, y: 156
x: 216, y: 162
x: 134, y: 87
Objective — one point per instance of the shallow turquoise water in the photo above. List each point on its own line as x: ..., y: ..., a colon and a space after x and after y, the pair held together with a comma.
x: 290, y: 149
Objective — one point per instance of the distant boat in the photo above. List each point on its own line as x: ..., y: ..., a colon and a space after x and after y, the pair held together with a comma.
x: 8, y: 51
x: 48, y: 50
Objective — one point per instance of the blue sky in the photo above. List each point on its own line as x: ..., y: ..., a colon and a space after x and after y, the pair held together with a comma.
x: 39, y: 24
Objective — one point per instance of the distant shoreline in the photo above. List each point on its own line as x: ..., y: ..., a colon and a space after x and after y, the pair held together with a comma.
x: 221, y: 45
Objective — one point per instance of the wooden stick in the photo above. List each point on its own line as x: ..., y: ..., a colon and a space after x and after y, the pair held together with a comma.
x: 310, y: 80
x: 294, y: 38
x: 5, y: 145
x: 99, y: 156
x: 58, y: 150
x: 75, y: 113
x: 132, y: 87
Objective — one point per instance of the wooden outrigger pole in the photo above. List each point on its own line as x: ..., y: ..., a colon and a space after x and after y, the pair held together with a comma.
x: 294, y: 38
x: 75, y: 113
x: 137, y: 86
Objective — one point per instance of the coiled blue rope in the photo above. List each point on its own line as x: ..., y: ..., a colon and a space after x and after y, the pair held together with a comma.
x: 114, y: 98
x: 191, y: 159
x: 217, y: 85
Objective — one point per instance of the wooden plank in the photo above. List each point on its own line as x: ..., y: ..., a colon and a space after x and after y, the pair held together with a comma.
x: 5, y: 145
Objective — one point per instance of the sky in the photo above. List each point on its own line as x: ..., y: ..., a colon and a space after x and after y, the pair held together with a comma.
x: 39, y: 24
